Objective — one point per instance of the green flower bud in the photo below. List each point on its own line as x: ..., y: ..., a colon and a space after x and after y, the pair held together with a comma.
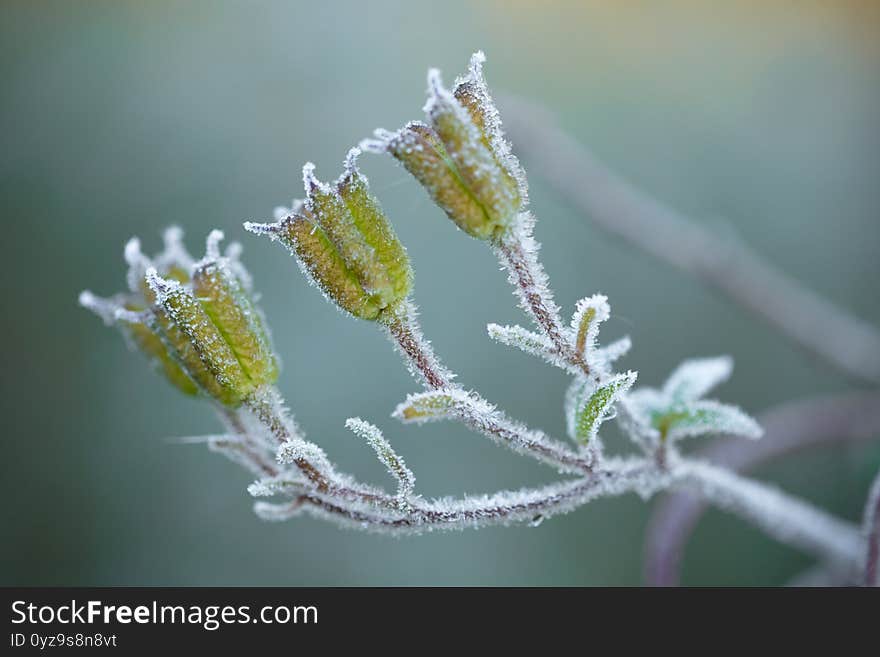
x: 419, y: 149
x: 190, y: 317
x: 462, y: 158
x: 345, y: 244
x: 224, y: 299
x: 195, y: 321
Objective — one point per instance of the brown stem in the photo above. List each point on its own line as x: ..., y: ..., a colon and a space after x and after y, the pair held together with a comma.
x: 513, y: 256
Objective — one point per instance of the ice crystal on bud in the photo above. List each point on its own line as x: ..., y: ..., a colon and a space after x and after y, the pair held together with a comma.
x: 677, y: 410
x: 588, y: 405
x: 195, y: 321
x: 396, y: 467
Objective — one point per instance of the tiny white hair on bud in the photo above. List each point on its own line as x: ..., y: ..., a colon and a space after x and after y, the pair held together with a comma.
x: 309, y: 178
x: 138, y: 263
x: 212, y: 244
x: 175, y: 252
x: 162, y: 287
x: 379, y: 143
x: 133, y: 253
x: 130, y: 316
x: 279, y: 213
x: 437, y: 93
x: 350, y: 162
x: 270, y: 230
x: 233, y: 250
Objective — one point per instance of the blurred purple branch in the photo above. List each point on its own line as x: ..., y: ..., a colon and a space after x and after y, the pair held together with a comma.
x: 791, y: 427
x: 816, y: 324
x: 872, y: 535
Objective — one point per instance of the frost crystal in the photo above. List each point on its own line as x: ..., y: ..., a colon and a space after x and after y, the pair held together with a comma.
x: 396, y: 467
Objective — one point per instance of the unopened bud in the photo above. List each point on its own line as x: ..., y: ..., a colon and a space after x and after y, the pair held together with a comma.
x: 345, y: 244
x: 461, y: 158
x: 187, y: 314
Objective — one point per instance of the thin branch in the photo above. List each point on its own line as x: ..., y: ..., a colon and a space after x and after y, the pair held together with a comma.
x: 872, y: 535
x: 841, y: 339
x: 501, y: 508
x: 517, y: 252
x: 480, y: 416
x: 821, y: 422
x: 786, y: 518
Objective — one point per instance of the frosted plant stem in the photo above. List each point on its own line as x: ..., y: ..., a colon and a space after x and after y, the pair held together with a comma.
x: 407, y: 335
x: 832, y: 421
x: 501, y: 508
x: 872, y: 535
x: 268, y: 407
x: 847, y: 342
x: 786, y: 518
x: 517, y: 253
x: 249, y: 447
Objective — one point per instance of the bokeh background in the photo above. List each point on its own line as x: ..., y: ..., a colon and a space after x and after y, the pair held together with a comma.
x: 119, y: 118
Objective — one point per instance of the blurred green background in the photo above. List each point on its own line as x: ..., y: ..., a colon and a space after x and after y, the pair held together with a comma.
x: 119, y: 118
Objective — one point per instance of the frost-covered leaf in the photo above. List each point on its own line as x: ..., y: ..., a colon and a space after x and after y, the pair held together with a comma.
x: 531, y: 343
x: 588, y: 314
x: 588, y: 406
x: 694, y: 378
x: 676, y: 411
x: 281, y: 484
x: 297, y: 449
x: 428, y: 406
x: 390, y: 459
x: 705, y: 417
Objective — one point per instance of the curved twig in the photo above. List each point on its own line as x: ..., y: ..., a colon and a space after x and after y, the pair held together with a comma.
x: 794, y: 426
x: 826, y: 330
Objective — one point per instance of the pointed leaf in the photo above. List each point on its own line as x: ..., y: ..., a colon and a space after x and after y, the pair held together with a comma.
x: 429, y: 406
x: 589, y: 406
x: 692, y: 379
x: 390, y: 459
x: 705, y: 417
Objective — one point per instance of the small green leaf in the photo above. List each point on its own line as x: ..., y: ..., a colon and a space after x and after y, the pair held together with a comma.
x: 428, y: 406
x: 588, y: 407
x: 704, y: 417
